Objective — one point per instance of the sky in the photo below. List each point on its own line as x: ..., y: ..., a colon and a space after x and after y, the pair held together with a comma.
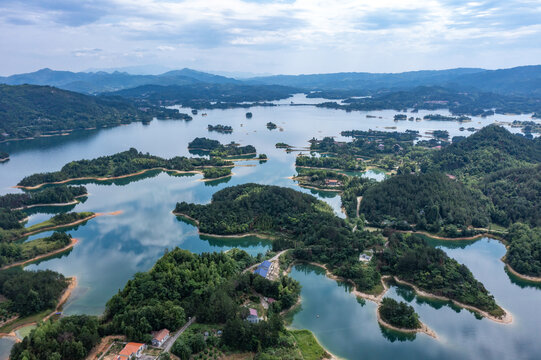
x: 266, y: 36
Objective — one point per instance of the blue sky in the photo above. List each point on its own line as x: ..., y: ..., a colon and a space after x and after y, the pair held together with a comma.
x: 266, y: 36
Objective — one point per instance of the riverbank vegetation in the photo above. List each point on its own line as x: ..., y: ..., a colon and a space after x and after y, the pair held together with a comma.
x: 52, y: 195
x: 70, y: 338
x: 120, y: 164
x: 30, y: 292
x: 524, y: 249
x: 12, y: 227
x: 12, y: 252
x: 31, y: 111
x: 409, y: 258
x: 398, y: 314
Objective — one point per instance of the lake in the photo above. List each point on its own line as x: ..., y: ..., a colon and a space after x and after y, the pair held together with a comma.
x: 113, y: 248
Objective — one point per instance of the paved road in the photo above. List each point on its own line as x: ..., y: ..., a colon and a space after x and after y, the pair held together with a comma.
x: 169, y: 343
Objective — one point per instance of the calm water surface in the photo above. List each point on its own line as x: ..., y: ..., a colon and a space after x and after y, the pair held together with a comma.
x: 113, y: 248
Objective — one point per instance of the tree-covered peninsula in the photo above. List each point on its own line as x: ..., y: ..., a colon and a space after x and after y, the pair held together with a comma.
x: 211, y: 287
x: 309, y: 227
x: 120, y: 164
x: 31, y: 110
x: 48, y: 196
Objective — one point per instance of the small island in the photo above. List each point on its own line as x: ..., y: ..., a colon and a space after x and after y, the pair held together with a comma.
x: 4, y: 156
x: 271, y: 125
x: 439, y: 117
x: 223, y: 129
x: 398, y: 314
x: 249, y: 115
x: 218, y: 150
x: 121, y: 165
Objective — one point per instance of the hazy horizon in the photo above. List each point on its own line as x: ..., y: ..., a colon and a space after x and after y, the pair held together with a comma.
x: 270, y: 37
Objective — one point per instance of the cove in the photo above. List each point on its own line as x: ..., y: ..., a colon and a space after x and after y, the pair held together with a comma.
x: 113, y: 248
x: 350, y: 330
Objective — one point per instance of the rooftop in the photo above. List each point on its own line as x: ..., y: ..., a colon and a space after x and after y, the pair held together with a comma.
x: 160, y: 335
x: 253, y: 312
x: 130, y: 348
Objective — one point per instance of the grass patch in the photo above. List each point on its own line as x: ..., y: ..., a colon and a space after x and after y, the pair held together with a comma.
x: 25, y: 320
x: 308, y: 345
x: 53, y: 222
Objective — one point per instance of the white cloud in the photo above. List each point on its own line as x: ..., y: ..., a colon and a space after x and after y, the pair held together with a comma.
x: 275, y: 36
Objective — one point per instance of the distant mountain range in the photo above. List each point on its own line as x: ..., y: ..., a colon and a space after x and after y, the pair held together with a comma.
x: 521, y: 81
x: 98, y: 82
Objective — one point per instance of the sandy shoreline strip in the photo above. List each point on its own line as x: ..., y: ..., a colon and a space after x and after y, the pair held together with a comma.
x: 42, y: 256
x: 98, y: 178
x: 232, y: 236
x: 519, y: 275
x: 74, y: 202
x: 374, y: 298
x: 506, y: 319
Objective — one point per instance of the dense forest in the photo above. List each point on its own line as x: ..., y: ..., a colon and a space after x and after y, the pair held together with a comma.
x: 398, y: 314
x: 123, y: 163
x: 31, y: 110
x: 11, y: 252
x: 516, y: 194
x: 490, y: 149
x: 524, y: 250
x: 210, y: 286
x: 70, y: 338
x: 52, y: 195
x: 204, y: 96
x: 432, y: 202
x: 410, y: 259
x: 216, y: 149
x: 29, y: 292
x: 435, y: 97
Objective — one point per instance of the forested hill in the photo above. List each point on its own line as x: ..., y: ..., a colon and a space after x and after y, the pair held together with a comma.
x: 426, y: 200
x: 203, y: 94
x: 31, y: 110
x: 491, y: 149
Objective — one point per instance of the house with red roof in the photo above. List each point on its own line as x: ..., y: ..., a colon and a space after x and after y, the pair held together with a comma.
x: 131, y: 350
x: 252, y: 316
x: 159, y: 337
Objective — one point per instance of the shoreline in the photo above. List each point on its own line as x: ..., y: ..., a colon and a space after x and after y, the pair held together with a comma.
x: 218, y: 178
x: 505, y: 319
x: 231, y: 236
x: 74, y: 202
x: 61, y: 301
x: 374, y: 298
x: 72, y: 243
x: 77, y: 222
x: 98, y: 178
x: 533, y: 279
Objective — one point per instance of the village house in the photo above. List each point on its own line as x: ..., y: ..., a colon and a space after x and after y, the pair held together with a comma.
x: 332, y: 182
x: 263, y: 268
x: 160, y: 337
x: 366, y: 256
x: 131, y: 350
x: 252, y: 316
